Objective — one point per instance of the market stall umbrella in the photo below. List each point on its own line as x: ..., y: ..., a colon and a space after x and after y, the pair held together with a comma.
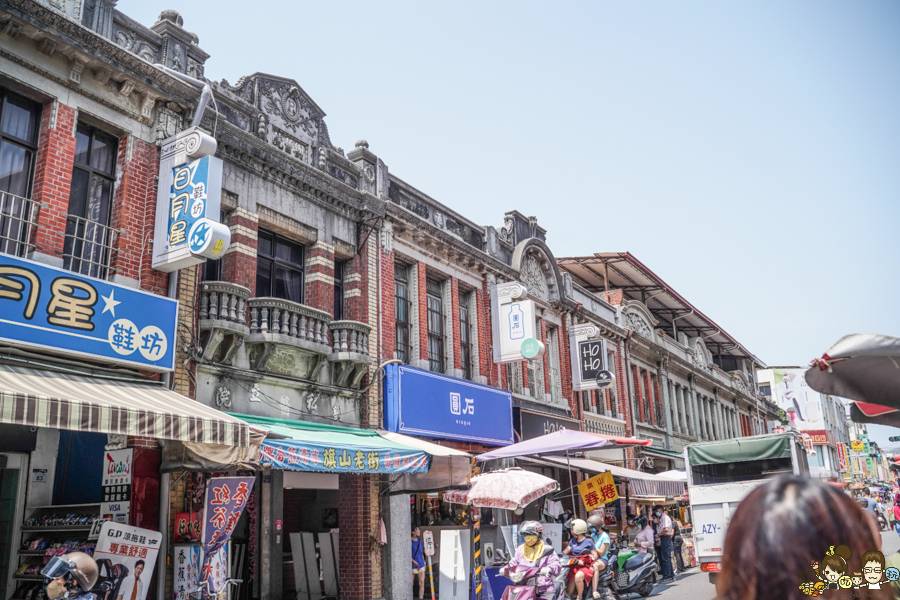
x: 509, y: 489
x: 863, y: 412
x: 564, y: 440
x: 863, y: 367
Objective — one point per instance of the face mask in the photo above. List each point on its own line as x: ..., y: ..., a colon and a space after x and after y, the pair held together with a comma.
x: 658, y: 514
x: 531, y: 540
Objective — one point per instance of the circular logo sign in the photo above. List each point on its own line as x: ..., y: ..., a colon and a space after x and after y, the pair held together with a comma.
x: 604, y: 379
x: 857, y: 445
x: 532, y: 348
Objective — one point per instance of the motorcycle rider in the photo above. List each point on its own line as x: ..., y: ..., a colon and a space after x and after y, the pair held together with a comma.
x: 71, y: 576
x: 531, y: 555
x: 600, y: 535
x: 582, y: 549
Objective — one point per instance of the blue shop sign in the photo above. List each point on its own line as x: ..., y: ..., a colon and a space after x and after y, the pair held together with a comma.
x: 62, y: 311
x: 303, y: 455
x: 189, y: 201
x: 423, y: 403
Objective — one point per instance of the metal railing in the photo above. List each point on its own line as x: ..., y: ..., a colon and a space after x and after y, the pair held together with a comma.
x: 350, y: 336
x: 605, y: 425
x: 88, y: 247
x: 223, y: 301
x: 18, y: 221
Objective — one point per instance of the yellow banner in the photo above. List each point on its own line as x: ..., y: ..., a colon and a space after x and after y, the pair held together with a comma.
x: 598, y: 490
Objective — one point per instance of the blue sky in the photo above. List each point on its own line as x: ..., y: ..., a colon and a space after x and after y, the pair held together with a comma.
x: 748, y: 152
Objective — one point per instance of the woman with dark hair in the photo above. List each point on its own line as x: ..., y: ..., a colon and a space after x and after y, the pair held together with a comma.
x: 781, y: 528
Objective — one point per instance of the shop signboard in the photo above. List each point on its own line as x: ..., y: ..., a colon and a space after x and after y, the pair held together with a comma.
x: 187, y: 570
x: 189, y: 190
x: 598, y: 490
x: 512, y: 321
x: 857, y: 445
x: 188, y: 527
x: 818, y: 437
x: 133, y: 548
x: 530, y: 424
x: 429, y: 404
x: 293, y: 455
x: 870, y: 466
x: 61, y: 311
x: 842, y: 456
x: 116, y: 485
x: 589, y: 358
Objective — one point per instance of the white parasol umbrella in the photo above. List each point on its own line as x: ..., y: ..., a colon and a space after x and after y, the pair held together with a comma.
x: 510, y: 489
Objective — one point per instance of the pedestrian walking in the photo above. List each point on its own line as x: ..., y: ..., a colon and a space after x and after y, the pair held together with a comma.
x: 666, y: 546
x: 783, y: 526
x: 678, y: 543
x: 896, y: 513
x: 418, y: 561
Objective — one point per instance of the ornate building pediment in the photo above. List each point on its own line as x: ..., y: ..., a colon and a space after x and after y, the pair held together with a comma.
x: 538, y: 270
x: 700, y: 356
x: 638, y: 319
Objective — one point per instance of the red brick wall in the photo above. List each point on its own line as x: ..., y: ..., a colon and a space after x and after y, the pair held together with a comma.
x: 360, y: 570
x: 388, y: 307
x: 356, y: 308
x: 483, y: 317
x: 649, y: 400
x: 134, y: 211
x: 423, y: 309
x: 624, y: 396
x: 53, y: 177
x: 456, y: 359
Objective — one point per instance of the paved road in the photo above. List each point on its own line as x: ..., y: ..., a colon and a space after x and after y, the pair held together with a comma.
x: 695, y: 585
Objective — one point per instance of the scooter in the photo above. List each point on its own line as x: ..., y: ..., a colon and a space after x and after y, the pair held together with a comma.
x: 636, y: 576
x: 525, y: 580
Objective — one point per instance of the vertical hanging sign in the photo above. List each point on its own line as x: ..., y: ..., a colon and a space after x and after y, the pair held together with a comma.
x: 513, y: 324
x: 589, y: 364
x: 188, y: 201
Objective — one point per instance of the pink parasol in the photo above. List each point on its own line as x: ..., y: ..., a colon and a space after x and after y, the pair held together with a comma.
x: 509, y: 489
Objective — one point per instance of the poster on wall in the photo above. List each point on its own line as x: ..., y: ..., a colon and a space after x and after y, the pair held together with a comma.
x: 133, y: 550
x: 187, y: 570
x: 116, y: 485
x: 188, y: 527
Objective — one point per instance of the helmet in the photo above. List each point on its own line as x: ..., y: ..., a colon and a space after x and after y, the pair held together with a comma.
x: 642, y: 521
x: 77, y: 567
x: 531, y: 528
x: 596, y: 522
x: 579, y: 527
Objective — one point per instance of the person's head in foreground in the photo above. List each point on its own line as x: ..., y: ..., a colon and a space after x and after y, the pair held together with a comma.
x: 72, y: 574
x: 782, y: 528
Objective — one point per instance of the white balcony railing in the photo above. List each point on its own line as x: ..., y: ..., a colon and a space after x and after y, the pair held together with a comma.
x: 18, y: 220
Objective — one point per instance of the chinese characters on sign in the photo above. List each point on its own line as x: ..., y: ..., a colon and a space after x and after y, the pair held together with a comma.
x: 598, y: 490
x: 286, y: 454
x: 818, y: 437
x: 512, y: 320
x: 188, y: 203
x: 187, y: 570
x: 226, y: 498
x: 842, y: 456
x: 133, y: 548
x: 116, y: 485
x: 47, y: 307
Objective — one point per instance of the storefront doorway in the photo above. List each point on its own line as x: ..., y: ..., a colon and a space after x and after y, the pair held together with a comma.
x: 311, y: 522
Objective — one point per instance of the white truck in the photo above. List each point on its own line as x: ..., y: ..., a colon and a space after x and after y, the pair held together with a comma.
x: 722, y: 473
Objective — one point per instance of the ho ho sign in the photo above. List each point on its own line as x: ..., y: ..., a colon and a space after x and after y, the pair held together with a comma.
x: 589, y: 364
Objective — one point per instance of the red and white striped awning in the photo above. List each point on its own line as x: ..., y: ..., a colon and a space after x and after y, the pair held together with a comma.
x: 642, y: 484
x: 58, y: 400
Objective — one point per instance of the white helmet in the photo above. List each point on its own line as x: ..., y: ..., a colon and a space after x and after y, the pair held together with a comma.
x: 579, y: 527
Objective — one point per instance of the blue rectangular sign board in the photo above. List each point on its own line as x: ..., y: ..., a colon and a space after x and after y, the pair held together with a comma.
x: 194, y: 195
x: 62, y: 311
x: 429, y: 404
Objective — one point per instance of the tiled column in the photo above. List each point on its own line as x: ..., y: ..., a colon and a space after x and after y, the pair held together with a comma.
x: 667, y: 405
x: 695, y: 407
x: 319, y: 277
x: 684, y: 427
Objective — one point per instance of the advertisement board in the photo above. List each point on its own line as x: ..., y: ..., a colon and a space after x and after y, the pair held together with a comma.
x: 133, y: 550
x: 598, y: 490
x: 530, y: 424
x: 49, y: 308
x: 293, y: 455
x: 802, y: 404
x: 116, y: 485
x: 589, y: 358
x: 187, y: 570
x: 429, y: 404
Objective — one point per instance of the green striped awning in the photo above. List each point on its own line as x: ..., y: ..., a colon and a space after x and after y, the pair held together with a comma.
x: 44, y: 398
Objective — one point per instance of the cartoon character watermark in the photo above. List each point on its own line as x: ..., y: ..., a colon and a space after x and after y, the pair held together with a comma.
x: 834, y: 572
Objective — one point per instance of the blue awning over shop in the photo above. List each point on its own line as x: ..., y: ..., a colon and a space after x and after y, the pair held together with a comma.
x: 306, y: 446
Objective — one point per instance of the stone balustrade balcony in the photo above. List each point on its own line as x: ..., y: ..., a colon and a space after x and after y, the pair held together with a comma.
x: 223, y: 319
x: 350, y: 343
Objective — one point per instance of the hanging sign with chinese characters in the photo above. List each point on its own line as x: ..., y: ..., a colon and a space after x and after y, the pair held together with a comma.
x: 186, y: 571
x: 598, y: 490
x: 58, y: 310
x: 226, y: 498
x: 116, y: 485
x: 188, y: 199
x: 294, y: 455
